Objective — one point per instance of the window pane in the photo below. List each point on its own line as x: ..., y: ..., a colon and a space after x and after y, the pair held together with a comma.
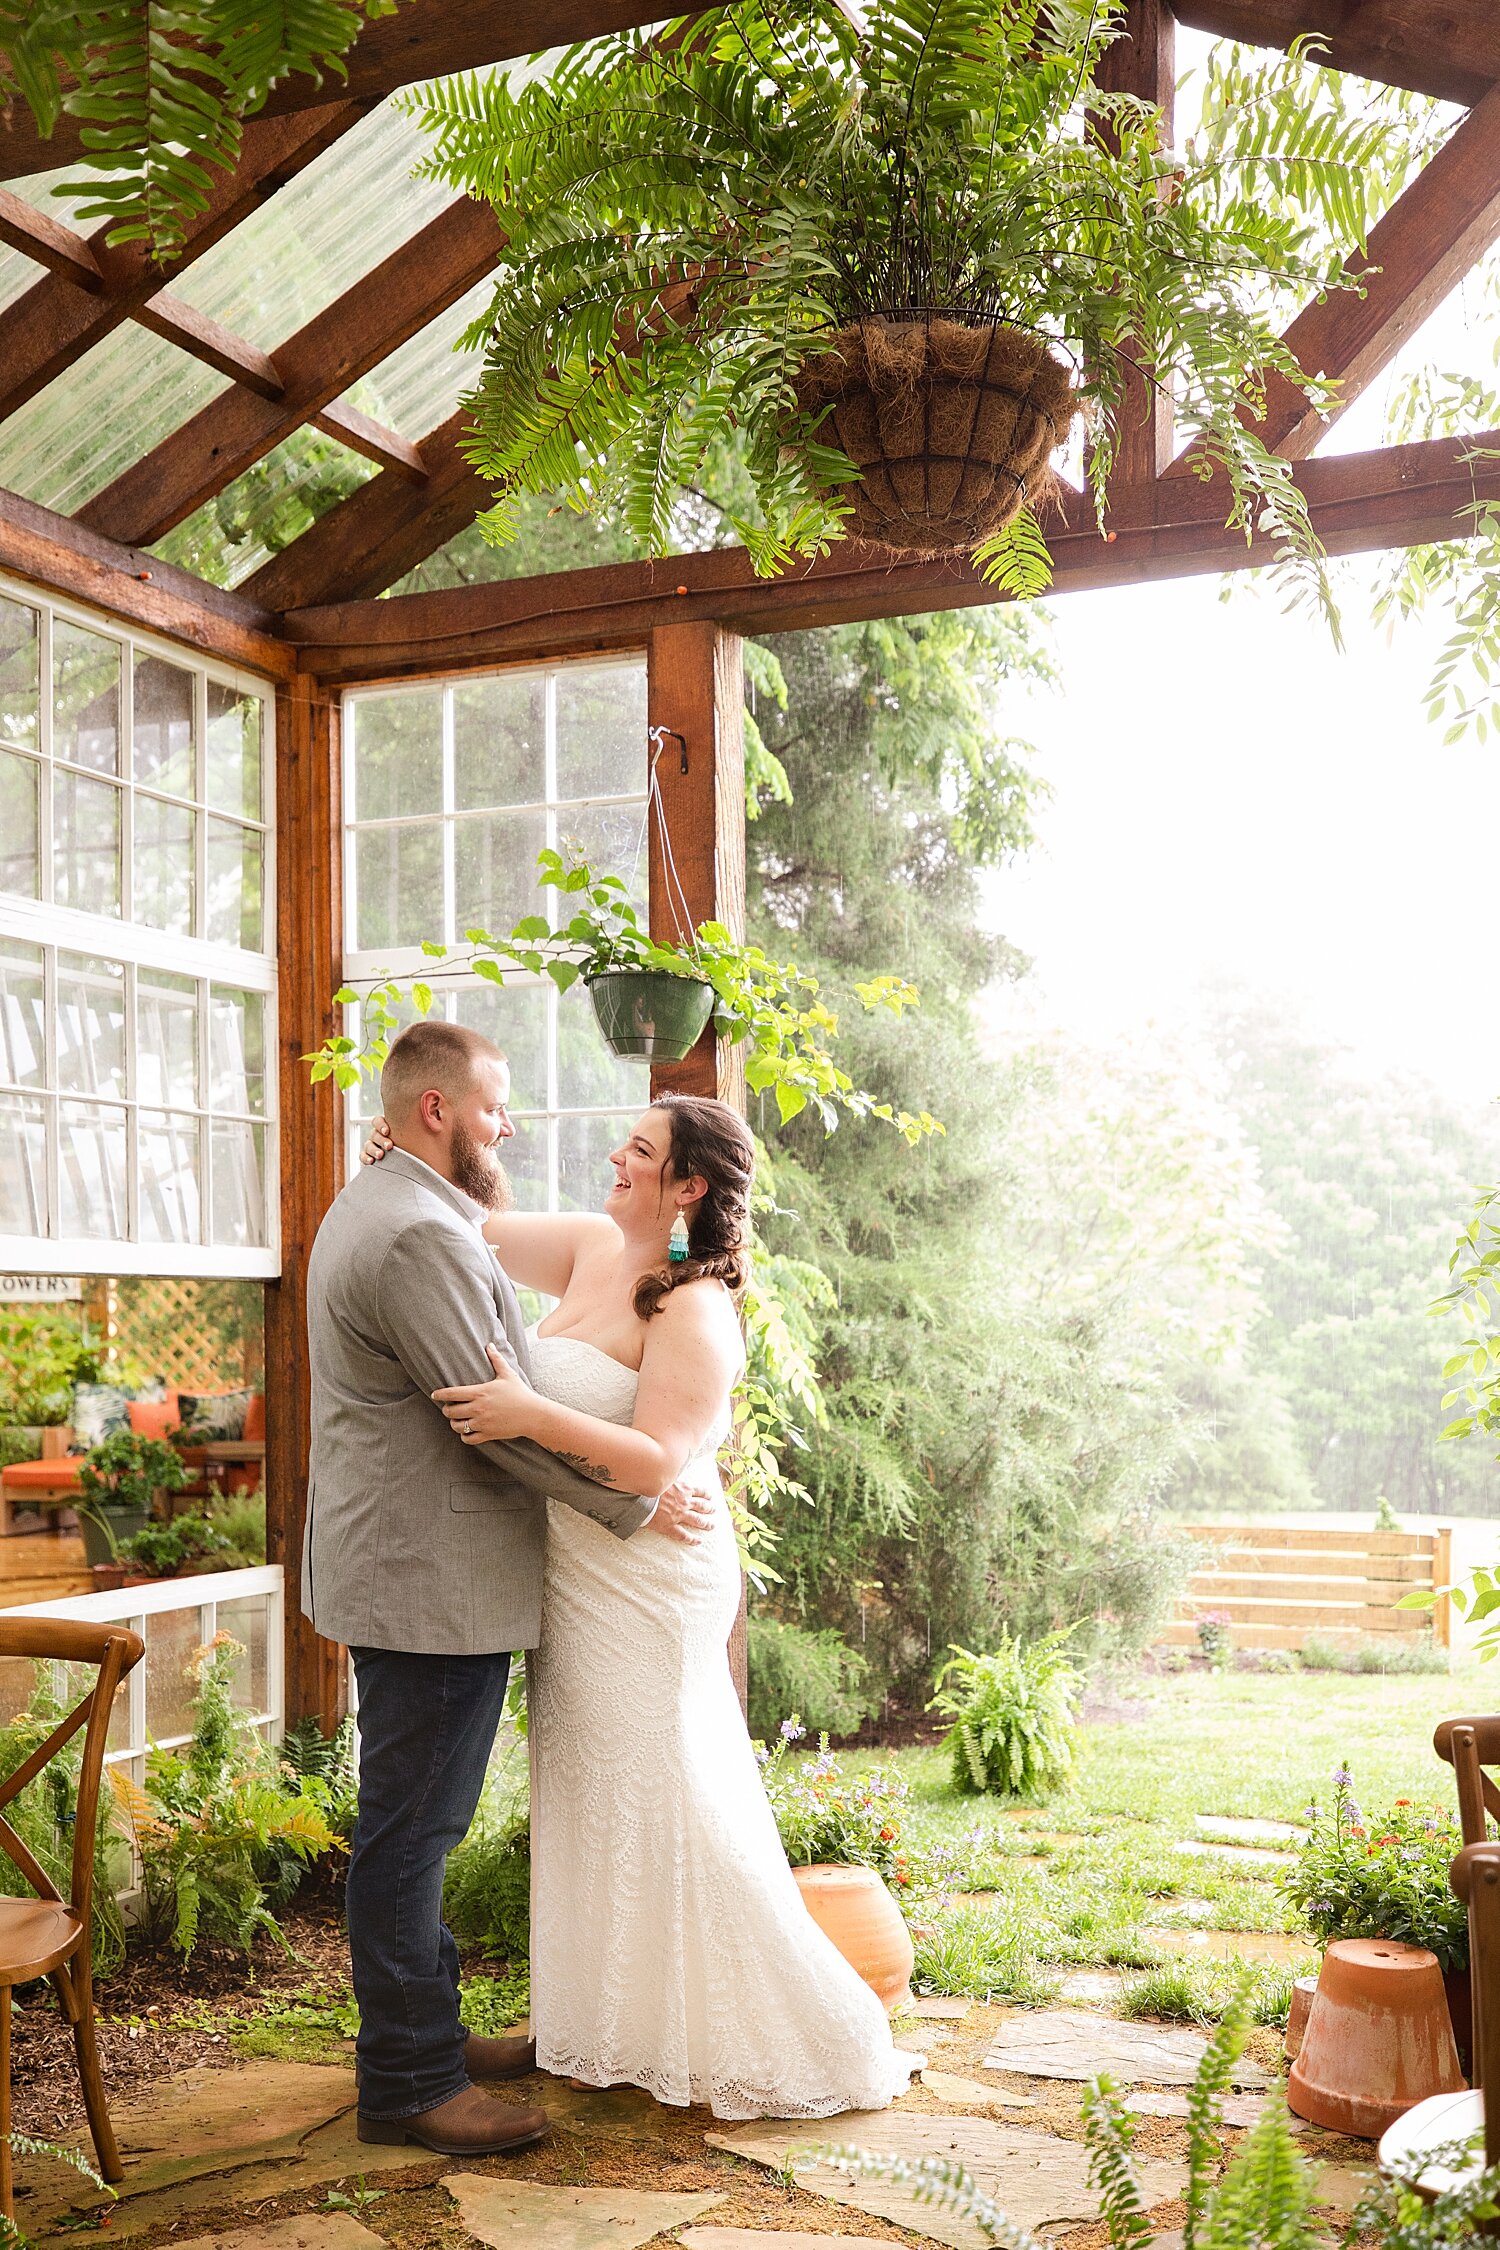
x: 163, y: 728
x: 239, y: 1201
x: 90, y: 1026
x: 18, y: 674
x: 514, y: 1016
x: 499, y: 733
x: 494, y: 870
x: 20, y: 837
x: 246, y: 1621
x: 166, y: 1038
x: 398, y: 753
x: 601, y: 730
x: 168, y: 1176
x: 23, y: 1166
x: 86, y: 833
x: 525, y: 1162
x: 588, y: 1075
x: 612, y: 838
x: 23, y: 1003
x: 398, y: 881
x: 235, y: 886
x: 234, y: 751
x: 85, y: 697
x: 236, y: 1049
x: 165, y: 861
x: 172, y: 1636
x: 91, y: 1170
x: 583, y: 1145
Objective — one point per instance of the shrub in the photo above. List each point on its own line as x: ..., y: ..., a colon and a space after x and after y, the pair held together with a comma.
x: 42, y: 1356
x: 1381, y: 1878
x: 817, y: 1675
x: 827, y: 1818
x: 189, y: 1543
x: 492, y: 2006
x: 1014, y: 1732
x: 241, y: 1516
x: 487, y: 1891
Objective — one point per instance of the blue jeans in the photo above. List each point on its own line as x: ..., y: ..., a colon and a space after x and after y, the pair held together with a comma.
x: 426, y: 1728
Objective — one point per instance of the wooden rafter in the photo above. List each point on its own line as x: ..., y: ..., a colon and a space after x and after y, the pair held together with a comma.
x: 1143, y: 62
x: 1405, y: 495
x: 1448, y: 48
x: 408, y: 289
x: 64, y: 315
x: 36, y: 234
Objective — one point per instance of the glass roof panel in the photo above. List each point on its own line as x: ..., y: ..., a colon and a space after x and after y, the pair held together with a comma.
x: 17, y: 271
x: 265, y: 509
x: 419, y: 386
x: 113, y: 406
x: 318, y: 235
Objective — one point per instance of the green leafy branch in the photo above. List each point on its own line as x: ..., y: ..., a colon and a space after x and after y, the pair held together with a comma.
x: 770, y: 1008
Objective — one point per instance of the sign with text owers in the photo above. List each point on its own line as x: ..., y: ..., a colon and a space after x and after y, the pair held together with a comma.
x: 40, y: 1289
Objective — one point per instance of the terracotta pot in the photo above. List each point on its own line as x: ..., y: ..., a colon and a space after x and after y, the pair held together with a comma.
x: 1303, y: 1989
x: 1378, y: 2038
x: 852, y: 1906
x: 108, y: 1577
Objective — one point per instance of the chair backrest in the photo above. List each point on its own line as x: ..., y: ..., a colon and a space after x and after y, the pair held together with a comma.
x: 114, y: 1650
x: 1475, y: 1877
x: 1468, y: 1746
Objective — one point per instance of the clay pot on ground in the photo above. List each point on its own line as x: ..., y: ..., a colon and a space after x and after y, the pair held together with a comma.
x: 109, y: 1577
x: 1303, y: 1989
x: 853, y: 1908
x: 1378, y: 2039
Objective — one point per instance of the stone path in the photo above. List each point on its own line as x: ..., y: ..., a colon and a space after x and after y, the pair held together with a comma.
x: 317, y: 2231
x: 516, y: 2215
x: 1250, y: 1831
x: 1241, y: 1855
x: 1075, y: 2043
x: 755, y: 2238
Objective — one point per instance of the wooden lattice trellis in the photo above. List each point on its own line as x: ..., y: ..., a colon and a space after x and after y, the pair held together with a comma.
x: 197, y: 1335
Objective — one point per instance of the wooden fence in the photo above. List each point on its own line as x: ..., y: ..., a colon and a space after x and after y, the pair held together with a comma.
x: 1277, y: 1584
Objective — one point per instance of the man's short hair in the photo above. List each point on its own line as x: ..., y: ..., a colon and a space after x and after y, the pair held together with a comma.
x: 432, y: 1056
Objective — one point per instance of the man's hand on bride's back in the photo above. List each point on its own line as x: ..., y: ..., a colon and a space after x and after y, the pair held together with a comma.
x: 685, y: 1512
x: 379, y: 1141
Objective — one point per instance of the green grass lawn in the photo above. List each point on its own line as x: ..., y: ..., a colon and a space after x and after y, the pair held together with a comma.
x: 1076, y: 1880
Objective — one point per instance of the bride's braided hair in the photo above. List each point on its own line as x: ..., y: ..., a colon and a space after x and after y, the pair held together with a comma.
x: 712, y: 1142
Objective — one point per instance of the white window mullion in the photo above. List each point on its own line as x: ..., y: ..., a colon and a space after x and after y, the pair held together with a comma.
x: 52, y: 1150
x: 450, y: 875
x: 127, y: 782
x: 205, y: 1136
x: 45, y: 815
x: 200, y: 797
x: 132, y: 1110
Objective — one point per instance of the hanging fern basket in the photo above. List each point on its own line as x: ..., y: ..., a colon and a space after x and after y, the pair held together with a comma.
x: 952, y: 426
x: 650, y: 1012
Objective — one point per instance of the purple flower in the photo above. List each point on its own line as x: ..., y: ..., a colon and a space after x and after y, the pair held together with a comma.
x: 1342, y: 1778
x: 792, y: 1729
x: 762, y: 1754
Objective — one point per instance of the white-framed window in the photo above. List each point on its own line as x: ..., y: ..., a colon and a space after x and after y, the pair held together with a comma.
x: 451, y: 789
x: 137, y: 960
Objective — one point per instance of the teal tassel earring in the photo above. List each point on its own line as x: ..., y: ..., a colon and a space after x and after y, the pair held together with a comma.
x: 677, y: 1241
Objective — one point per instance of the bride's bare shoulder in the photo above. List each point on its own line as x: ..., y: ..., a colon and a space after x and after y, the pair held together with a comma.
x: 700, y: 1312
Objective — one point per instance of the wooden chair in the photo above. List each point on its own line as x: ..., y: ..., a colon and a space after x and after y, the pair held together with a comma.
x: 50, y: 1936
x: 1445, y: 2118
x: 1468, y: 1746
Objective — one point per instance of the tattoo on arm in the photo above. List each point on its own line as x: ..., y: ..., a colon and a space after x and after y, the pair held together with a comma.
x: 593, y: 1469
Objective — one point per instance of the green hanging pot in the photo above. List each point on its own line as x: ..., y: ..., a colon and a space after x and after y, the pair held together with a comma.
x: 650, y: 1012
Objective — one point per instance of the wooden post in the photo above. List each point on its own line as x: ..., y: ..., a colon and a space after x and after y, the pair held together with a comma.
x: 1442, y: 1575
x: 1143, y: 61
x: 695, y: 685
x: 309, y: 836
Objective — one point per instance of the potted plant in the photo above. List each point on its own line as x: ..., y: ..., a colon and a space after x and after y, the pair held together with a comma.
x: 186, y: 1547
x: 889, y: 254
x: 118, y: 1483
x: 843, y: 1839
x: 771, y: 1007
x: 44, y: 1357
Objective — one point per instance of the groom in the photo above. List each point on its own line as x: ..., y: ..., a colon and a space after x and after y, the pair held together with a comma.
x: 424, y: 1556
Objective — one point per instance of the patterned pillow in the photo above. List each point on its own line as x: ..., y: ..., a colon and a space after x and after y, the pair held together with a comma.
x: 100, y: 1409
x: 213, y: 1418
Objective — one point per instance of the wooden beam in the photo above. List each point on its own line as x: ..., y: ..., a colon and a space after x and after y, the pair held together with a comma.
x: 362, y: 434
x: 1435, y: 231
x: 1448, y: 48
x: 1405, y: 495
x: 1143, y: 62
x: 58, y: 555
x: 309, y: 950
x: 56, y: 322
x: 36, y: 234
x: 379, y: 533
x: 422, y: 39
x: 408, y: 289
x: 193, y: 332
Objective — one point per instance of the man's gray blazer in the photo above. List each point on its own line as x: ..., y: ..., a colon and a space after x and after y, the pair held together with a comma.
x: 415, y: 1540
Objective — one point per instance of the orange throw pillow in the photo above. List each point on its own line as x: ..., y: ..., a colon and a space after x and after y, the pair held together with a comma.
x: 153, y: 1417
x: 255, y: 1417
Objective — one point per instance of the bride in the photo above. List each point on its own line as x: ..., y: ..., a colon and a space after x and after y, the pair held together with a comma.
x: 670, y: 1947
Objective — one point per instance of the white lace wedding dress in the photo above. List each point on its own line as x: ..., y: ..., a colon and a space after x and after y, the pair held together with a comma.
x: 670, y: 1947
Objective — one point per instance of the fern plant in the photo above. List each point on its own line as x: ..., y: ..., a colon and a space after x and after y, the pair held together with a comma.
x: 1014, y: 1731
x: 1262, y: 2201
x: 161, y: 88
x: 690, y: 218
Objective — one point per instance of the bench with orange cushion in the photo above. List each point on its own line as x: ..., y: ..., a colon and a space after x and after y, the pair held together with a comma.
x: 54, y: 1483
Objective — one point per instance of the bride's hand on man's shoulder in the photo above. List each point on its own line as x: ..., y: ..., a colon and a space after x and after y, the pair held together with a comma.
x: 482, y: 1412
x: 377, y: 1144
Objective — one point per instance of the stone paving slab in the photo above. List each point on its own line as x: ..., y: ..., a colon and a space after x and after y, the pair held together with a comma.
x: 610, y: 2113
x: 1239, y: 1855
x: 517, y: 2215
x: 920, y: 2037
x: 964, y: 2092
x: 1095, y: 1986
x: 943, y: 2011
x: 1076, y: 2043
x: 1340, y: 2186
x: 1242, y: 2110
x: 1250, y: 1831
x: 314, y: 2230
x: 1036, y: 2178
x: 754, y: 2238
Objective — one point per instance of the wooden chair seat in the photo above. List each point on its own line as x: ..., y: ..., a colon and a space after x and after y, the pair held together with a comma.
x: 36, y: 1936
x: 1436, y: 2123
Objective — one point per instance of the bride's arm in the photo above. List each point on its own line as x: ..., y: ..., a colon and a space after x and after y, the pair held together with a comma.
x: 693, y: 1358
x: 538, y: 1249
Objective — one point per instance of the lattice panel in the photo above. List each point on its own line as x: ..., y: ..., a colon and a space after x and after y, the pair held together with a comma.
x: 197, y: 1335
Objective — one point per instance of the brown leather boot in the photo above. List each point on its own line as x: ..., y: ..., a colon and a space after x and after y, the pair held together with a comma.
x: 470, y: 2124
x: 499, y: 2058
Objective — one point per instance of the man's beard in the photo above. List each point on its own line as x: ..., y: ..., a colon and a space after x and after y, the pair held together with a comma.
x: 478, y: 1170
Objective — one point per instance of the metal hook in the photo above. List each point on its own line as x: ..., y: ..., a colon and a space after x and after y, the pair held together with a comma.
x: 659, y: 737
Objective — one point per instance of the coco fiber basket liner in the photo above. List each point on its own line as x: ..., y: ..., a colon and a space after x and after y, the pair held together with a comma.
x: 951, y: 427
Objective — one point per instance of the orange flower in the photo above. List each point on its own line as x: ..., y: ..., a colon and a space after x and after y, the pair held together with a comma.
x: 1403, y: 1800
x: 1390, y: 1839
x: 887, y: 1835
